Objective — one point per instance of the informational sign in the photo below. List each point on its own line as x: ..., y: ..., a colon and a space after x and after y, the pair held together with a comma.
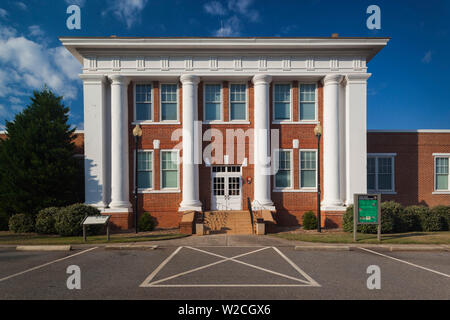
x: 90, y: 220
x: 367, y: 210
x: 96, y: 220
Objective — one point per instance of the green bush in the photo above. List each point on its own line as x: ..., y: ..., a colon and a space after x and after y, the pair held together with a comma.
x: 432, y: 220
x: 68, y: 220
x: 21, y: 223
x: 444, y: 212
x: 409, y: 219
x: 309, y: 221
x: 390, y: 212
x: 45, y: 220
x: 146, y: 222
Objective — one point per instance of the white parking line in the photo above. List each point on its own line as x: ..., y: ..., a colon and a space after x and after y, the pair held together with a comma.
x: 406, y: 262
x: 147, y: 282
x: 46, y: 264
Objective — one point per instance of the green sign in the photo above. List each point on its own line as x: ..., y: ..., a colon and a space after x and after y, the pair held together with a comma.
x: 367, y: 209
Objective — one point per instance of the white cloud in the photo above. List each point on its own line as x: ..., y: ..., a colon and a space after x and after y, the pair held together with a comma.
x: 243, y: 7
x: 3, y: 13
x: 127, y: 11
x: 26, y: 65
x: 21, y: 5
x: 79, y: 3
x: 36, y: 31
x: 215, y: 8
x: 428, y: 57
x: 231, y: 28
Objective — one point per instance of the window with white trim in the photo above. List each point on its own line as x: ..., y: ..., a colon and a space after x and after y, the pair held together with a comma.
x: 169, y: 102
x: 145, y: 169
x: 307, y: 99
x: 169, y: 170
x: 308, y: 169
x: 143, y: 102
x: 238, y: 102
x: 282, y: 102
x: 213, y: 102
x: 283, y: 176
x: 380, y: 173
x: 442, y: 177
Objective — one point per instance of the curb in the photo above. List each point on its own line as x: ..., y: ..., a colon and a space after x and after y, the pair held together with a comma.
x: 130, y: 247
x: 322, y: 248
x: 424, y: 248
x: 44, y: 248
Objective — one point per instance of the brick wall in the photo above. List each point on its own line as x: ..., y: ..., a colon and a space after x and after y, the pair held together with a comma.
x: 414, y: 164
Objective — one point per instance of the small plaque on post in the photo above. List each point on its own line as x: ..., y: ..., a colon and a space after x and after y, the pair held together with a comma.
x: 367, y: 210
x: 96, y: 220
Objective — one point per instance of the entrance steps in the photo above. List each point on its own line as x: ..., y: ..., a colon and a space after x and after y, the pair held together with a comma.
x: 229, y: 222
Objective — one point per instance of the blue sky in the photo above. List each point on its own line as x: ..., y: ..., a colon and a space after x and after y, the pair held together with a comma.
x: 409, y: 89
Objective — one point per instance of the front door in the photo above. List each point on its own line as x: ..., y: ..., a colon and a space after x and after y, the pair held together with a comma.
x: 226, y: 188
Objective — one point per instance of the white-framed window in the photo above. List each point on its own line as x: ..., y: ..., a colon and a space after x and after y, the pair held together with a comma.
x: 307, y: 102
x: 145, y: 169
x: 169, y: 102
x: 169, y: 169
x: 238, y: 102
x: 283, y: 177
x: 308, y: 169
x: 380, y: 173
x: 143, y: 102
x: 213, y: 102
x: 282, y: 102
x: 441, y: 173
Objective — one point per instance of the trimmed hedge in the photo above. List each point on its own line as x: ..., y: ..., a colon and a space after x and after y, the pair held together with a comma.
x: 409, y: 218
x: 45, y: 220
x: 21, y: 223
x: 444, y: 213
x: 432, y: 221
x: 68, y: 220
x: 146, y: 222
x: 309, y: 221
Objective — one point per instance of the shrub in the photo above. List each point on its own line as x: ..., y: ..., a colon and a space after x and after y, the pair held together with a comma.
x: 409, y: 219
x: 390, y: 211
x: 444, y: 212
x: 45, y: 220
x: 432, y: 220
x: 146, y: 222
x: 309, y: 221
x: 21, y: 223
x: 68, y: 220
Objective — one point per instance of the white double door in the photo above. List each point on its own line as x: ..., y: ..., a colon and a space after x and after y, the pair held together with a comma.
x: 226, y: 188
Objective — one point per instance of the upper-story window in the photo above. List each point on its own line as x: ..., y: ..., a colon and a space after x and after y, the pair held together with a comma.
x: 442, y: 177
x: 143, y: 103
x: 380, y: 173
x: 213, y: 102
x: 308, y: 102
x: 282, y: 102
x: 169, y: 102
x: 238, y: 102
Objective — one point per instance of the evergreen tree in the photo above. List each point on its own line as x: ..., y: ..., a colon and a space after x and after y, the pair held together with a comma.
x: 37, y: 164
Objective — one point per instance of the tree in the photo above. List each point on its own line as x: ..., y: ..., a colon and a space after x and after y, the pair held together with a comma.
x: 37, y: 164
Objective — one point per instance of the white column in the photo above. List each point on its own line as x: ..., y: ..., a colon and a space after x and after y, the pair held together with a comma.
x: 331, y: 180
x: 190, y: 168
x: 119, y: 145
x: 94, y: 140
x: 356, y: 134
x: 342, y: 162
x: 262, y: 151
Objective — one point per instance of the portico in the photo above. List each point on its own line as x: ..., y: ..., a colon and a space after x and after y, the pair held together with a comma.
x: 279, y: 91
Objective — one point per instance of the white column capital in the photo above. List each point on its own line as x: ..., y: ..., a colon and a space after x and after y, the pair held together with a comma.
x: 190, y: 79
x: 118, y: 79
x: 92, y: 78
x: 357, y: 77
x: 331, y: 79
x: 262, y: 79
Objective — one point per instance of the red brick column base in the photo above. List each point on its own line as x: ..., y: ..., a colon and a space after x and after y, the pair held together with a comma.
x: 120, y: 221
x: 332, y: 219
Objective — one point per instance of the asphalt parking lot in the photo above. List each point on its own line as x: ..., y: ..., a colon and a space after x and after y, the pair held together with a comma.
x: 221, y: 272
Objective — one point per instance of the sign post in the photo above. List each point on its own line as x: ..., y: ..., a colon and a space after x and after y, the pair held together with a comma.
x: 96, y: 220
x: 367, y: 210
